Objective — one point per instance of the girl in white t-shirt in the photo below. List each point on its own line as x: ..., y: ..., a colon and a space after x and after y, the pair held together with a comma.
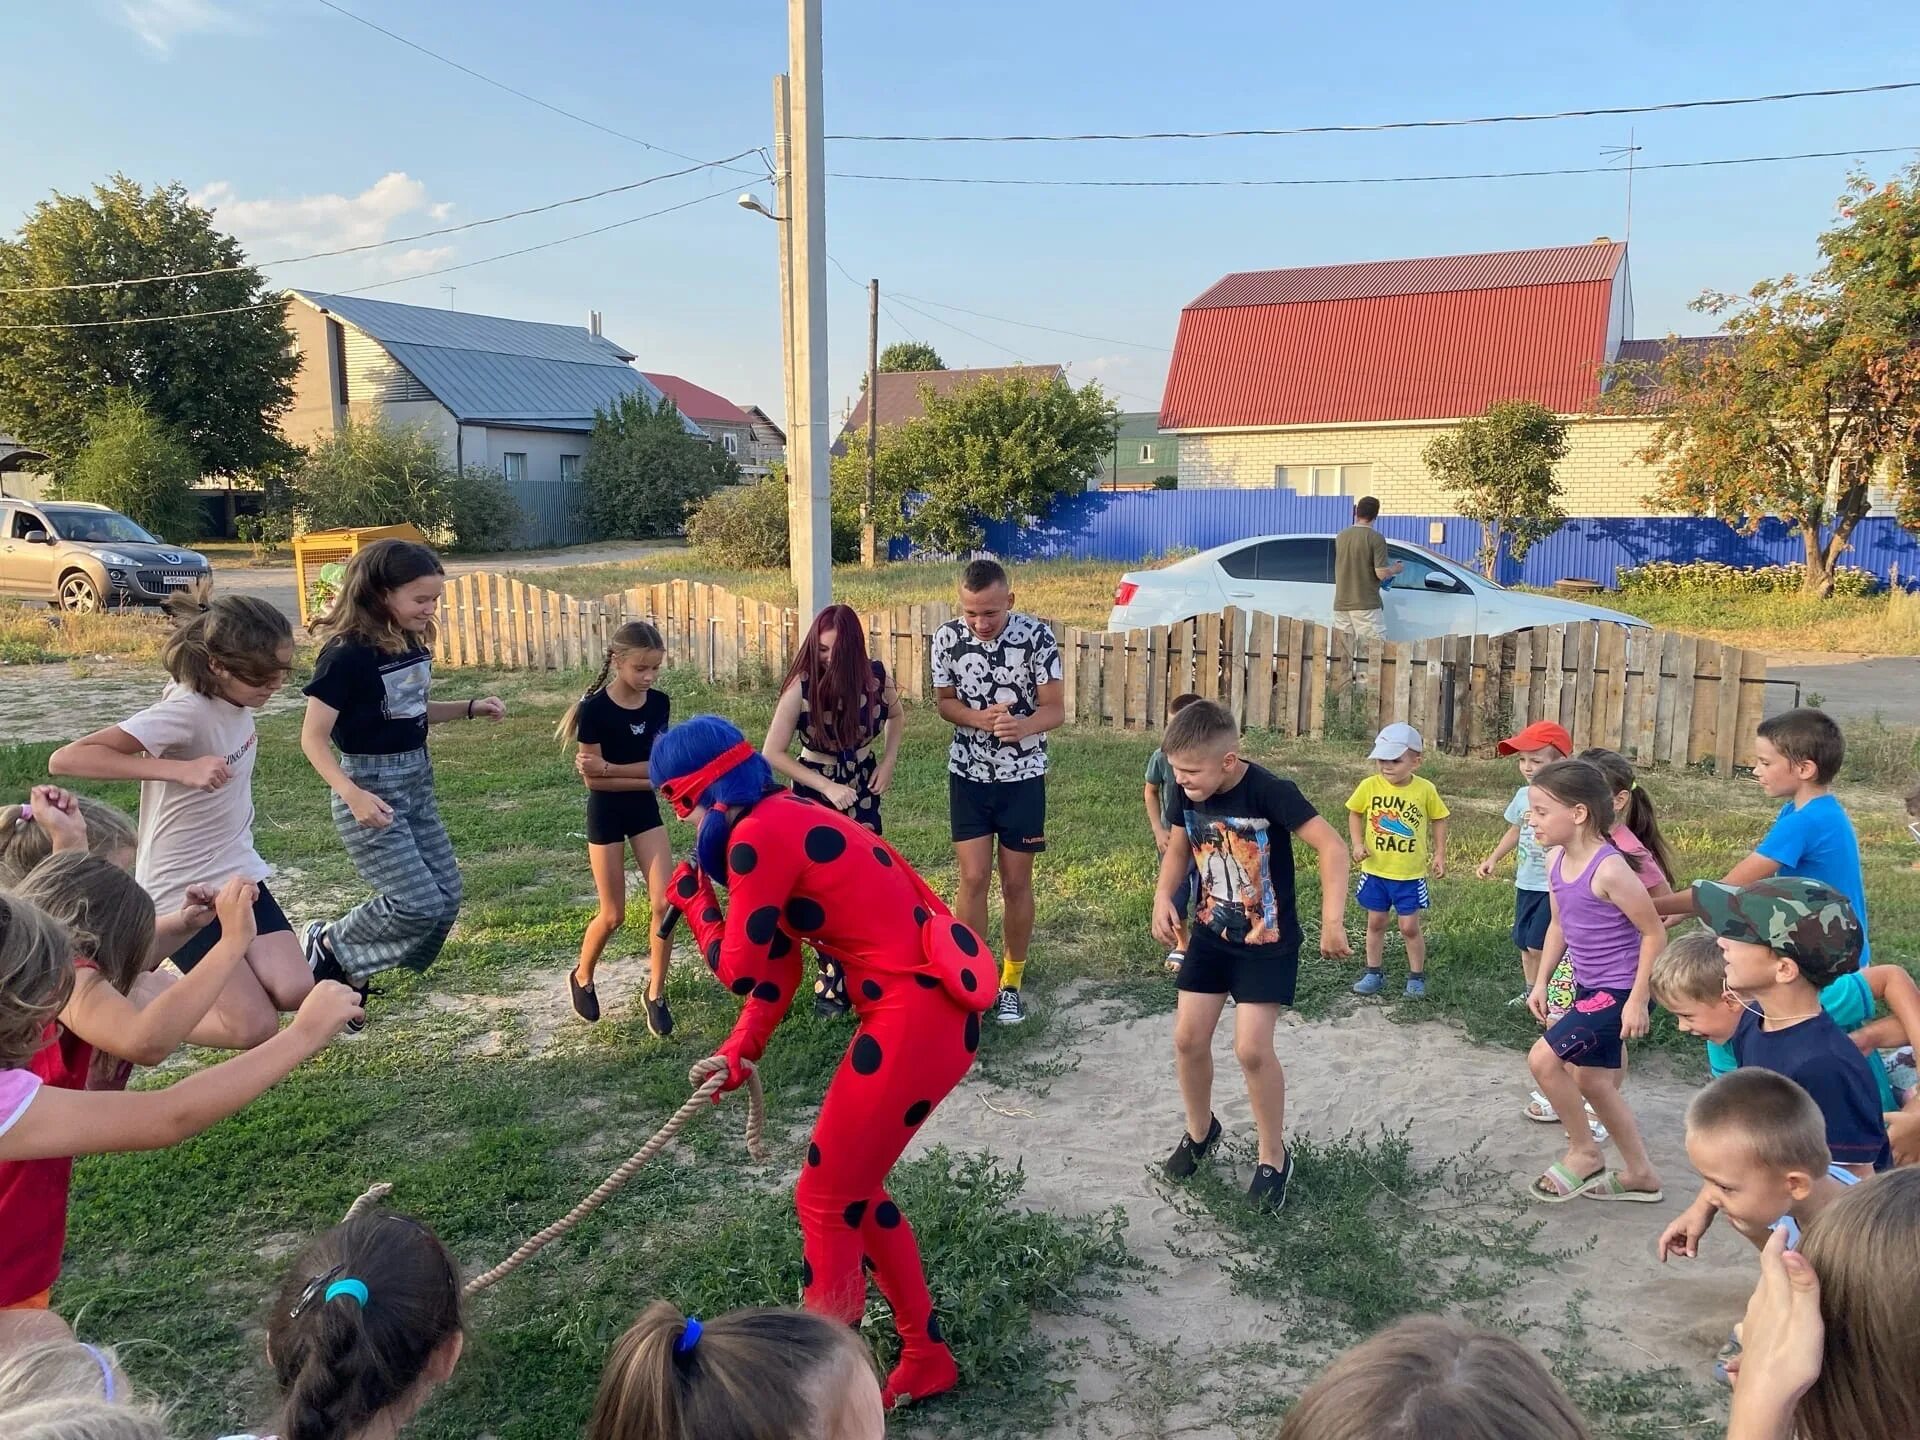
x: 193, y: 753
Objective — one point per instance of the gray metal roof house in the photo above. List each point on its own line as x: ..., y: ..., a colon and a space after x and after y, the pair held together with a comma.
x: 515, y: 396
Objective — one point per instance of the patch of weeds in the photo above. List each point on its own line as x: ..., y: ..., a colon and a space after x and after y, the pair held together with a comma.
x: 1344, y: 712
x: 1651, y: 1403
x: 1882, y: 754
x: 1368, y: 1235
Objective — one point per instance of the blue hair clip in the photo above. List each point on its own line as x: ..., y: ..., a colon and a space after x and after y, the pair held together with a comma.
x: 349, y: 1286
x: 689, y: 1338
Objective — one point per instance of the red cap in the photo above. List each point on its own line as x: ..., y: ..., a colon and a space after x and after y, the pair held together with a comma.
x: 1538, y: 736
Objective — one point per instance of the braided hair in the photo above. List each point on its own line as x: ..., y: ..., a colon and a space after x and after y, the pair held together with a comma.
x: 340, y: 1362
x: 634, y: 635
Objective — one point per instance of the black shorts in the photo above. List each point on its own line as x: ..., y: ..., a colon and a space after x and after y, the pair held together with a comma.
x: 1252, y: 974
x: 1588, y: 1035
x: 1532, y: 913
x: 1014, y: 812
x: 616, y: 816
x: 268, y: 919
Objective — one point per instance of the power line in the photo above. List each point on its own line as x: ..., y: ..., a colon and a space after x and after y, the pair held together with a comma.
x: 1054, y: 329
x: 968, y: 333
x: 905, y: 329
x: 509, y: 89
x: 371, y: 245
x: 377, y: 285
x: 1597, y: 110
x: 1365, y: 179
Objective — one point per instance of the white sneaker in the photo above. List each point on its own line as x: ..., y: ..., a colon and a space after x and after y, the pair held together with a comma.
x: 1011, y: 1009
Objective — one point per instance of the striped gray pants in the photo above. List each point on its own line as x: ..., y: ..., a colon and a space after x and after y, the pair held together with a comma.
x: 410, y: 866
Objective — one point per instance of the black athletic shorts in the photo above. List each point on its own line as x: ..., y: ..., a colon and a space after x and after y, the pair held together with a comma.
x: 1252, y: 974
x: 1532, y: 913
x: 616, y: 816
x: 268, y: 919
x: 1014, y: 812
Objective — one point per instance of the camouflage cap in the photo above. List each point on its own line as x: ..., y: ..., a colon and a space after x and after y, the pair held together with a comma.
x: 1807, y: 921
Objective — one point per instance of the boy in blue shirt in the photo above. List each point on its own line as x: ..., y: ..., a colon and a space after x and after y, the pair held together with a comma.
x: 1796, y: 756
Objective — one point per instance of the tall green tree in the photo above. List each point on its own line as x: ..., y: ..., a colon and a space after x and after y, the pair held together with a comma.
x: 910, y: 355
x: 1001, y: 448
x: 1813, y: 398
x: 133, y: 463
x: 1499, y: 468
x: 218, y: 382
x: 370, y: 472
x: 644, y: 473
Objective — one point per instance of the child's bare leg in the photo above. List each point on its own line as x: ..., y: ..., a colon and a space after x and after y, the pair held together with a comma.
x: 1602, y: 1091
x: 281, y: 969
x: 1530, y: 966
x: 1377, y: 921
x: 1559, y: 1082
x: 1194, y: 1019
x: 242, y: 1017
x: 610, y: 882
x: 653, y: 854
x: 1253, y: 1026
x: 1416, y: 942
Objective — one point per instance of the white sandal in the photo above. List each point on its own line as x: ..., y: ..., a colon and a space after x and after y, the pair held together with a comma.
x: 1540, y: 1110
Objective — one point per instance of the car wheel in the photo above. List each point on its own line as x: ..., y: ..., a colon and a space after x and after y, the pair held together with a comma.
x: 78, y: 594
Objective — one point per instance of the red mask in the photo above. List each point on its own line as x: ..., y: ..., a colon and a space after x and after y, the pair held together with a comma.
x: 684, y: 793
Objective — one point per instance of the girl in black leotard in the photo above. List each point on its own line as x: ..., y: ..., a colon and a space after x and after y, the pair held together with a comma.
x: 846, y: 714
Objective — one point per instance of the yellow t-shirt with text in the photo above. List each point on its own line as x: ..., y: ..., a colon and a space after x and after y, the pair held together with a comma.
x: 1397, y: 825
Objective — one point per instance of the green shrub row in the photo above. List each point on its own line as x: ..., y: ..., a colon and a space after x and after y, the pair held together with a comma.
x: 1712, y: 578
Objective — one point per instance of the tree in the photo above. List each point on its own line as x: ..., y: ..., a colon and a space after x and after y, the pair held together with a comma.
x: 1813, y: 396
x: 1002, y: 448
x: 372, y: 473
x: 133, y: 463
x: 644, y: 472
x: 910, y: 355
x: 218, y: 383
x: 1499, y: 469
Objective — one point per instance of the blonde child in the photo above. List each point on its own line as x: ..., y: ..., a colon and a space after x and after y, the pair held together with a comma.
x: 1397, y: 823
x: 1830, y: 1348
x: 1432, y: 1378
x: 64, y: 1390
x: 745, y: 1375
x: 368, y: 699
x: 1159, y: 780
x: 52, y: 819
x: 1537, y: 745
x: 364, y: 1328
x: 615, y: 724
x: 193, y: 753
x: 1604, y: 918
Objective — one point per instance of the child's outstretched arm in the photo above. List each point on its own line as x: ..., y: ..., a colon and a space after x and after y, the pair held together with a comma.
x: 113, y: 754
x: 1751, y: 867
x: 1893, y: 987
x: 1682, y: 1237
x: 1509, y: 842
x: 93, y: 1122
x: 1335, y: 870
x: 481, y: 707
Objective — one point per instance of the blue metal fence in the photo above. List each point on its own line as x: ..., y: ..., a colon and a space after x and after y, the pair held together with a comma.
x: 1129, y: 527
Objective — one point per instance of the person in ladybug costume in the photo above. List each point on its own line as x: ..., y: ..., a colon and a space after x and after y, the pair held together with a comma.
x: 917, y: 979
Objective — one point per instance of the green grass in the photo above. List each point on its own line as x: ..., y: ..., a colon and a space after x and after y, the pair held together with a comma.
x: 1885, y: 624
x: 492, y: 1115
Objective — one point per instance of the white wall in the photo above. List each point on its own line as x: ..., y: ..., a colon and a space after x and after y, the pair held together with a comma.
x: 487, y: 444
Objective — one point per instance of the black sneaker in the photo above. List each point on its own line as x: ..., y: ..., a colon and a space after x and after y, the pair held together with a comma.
x: 586, y: 1000
x: 1188, y: 1154
x: 320, y: 960
x: 659, y: 1018
x: 829, y: 1004
x: 1269, y: 1189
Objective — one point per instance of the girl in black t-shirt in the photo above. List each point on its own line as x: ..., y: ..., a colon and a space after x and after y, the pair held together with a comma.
x: 615, y: 724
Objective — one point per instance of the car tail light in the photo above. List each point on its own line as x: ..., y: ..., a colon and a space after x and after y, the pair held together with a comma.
x: 1124, y: 592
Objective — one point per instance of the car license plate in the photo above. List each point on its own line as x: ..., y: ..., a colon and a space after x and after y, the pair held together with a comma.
x: 176, y: 579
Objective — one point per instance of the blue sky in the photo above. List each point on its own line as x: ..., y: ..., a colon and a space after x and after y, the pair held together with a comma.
x: 307, y: 131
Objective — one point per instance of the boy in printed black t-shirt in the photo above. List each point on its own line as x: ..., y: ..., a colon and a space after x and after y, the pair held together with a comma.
x: 1234, y: 822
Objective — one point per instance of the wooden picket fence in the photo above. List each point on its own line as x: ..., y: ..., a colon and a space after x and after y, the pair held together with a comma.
x: 1658, y: 697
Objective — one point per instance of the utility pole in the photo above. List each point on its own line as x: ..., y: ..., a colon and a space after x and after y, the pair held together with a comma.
x: 811, y: 538
x: 869, y: 541
x: 790, y: 408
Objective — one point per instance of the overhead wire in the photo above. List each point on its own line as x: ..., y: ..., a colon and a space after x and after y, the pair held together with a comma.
x: 1378, y: 126
x: 1030, y: 325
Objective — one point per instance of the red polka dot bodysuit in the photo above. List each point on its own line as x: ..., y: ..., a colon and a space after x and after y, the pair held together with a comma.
x: 917, y: 980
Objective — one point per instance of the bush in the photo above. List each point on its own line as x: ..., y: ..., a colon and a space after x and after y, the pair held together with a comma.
x: 481, y: 513
x: 371, y: 473
x: 644, y: 472
x: 134, y: 463
x: 743, y: 527
x: 1710, y: 578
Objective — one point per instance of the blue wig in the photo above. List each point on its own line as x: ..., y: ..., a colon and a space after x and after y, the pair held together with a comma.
x: 683, y: 749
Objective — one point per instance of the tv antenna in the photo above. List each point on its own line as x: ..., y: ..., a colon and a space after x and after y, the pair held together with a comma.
x: 1626, y: 152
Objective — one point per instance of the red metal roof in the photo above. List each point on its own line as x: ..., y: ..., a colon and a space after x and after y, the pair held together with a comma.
x: 1424, y: 339
x: 698, y: 403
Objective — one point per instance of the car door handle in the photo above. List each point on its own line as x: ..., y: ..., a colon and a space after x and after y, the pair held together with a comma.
x: 1241, y: 594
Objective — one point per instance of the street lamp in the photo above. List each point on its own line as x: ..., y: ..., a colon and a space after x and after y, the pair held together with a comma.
x: 750, y: 201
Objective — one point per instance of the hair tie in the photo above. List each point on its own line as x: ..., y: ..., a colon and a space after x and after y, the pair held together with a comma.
x: 349, y: 1286
x: 689, y: 1338
x: 106, y: 1371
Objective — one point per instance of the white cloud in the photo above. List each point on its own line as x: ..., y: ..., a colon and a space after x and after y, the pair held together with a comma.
x: 161, y: 22
x: 273, y: 228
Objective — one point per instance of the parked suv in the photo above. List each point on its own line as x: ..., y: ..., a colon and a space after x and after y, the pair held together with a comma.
x: 84, y: 557
x: 1292, y: 575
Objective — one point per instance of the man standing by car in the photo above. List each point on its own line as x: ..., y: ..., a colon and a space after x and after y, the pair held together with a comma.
x: 1360, y: 568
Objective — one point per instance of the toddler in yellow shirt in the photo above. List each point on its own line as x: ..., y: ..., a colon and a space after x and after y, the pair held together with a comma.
x: 1398, y: 825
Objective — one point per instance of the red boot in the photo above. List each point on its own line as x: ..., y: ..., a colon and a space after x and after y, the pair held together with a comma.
x: 920, y: 1376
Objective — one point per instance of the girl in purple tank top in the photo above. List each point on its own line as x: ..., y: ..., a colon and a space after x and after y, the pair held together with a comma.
x: 1604, y: 921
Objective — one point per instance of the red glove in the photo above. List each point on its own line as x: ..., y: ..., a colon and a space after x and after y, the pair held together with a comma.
x: 731, y: 1050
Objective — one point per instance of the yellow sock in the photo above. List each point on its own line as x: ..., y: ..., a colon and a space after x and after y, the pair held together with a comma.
x: 1010, y: 973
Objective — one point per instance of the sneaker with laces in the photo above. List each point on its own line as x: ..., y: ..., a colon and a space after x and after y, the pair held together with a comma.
x: 1371, y: 983
x: 320, y: 959
x: 659, y: 1017
x: 1416, y: 986
x: 1188, y: 1154
x: 1269, y: 1189
x: 1011, y: 1009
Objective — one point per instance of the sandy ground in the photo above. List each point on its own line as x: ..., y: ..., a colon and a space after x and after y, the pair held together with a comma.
x: 1089, y: 1142
x: 63, y: 701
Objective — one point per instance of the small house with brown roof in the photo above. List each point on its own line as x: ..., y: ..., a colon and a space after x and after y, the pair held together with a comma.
x: 900, y: 397
x: 724, y: 422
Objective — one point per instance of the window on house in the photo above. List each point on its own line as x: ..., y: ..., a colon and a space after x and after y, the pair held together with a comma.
x: 513, y: 464
x: 730, y: 442
x: 1325, y: 479
x: 1146, y: 454
x: 569, y: 469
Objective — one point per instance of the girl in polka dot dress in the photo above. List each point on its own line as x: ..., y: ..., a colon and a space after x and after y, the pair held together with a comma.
x: 917, y: 979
